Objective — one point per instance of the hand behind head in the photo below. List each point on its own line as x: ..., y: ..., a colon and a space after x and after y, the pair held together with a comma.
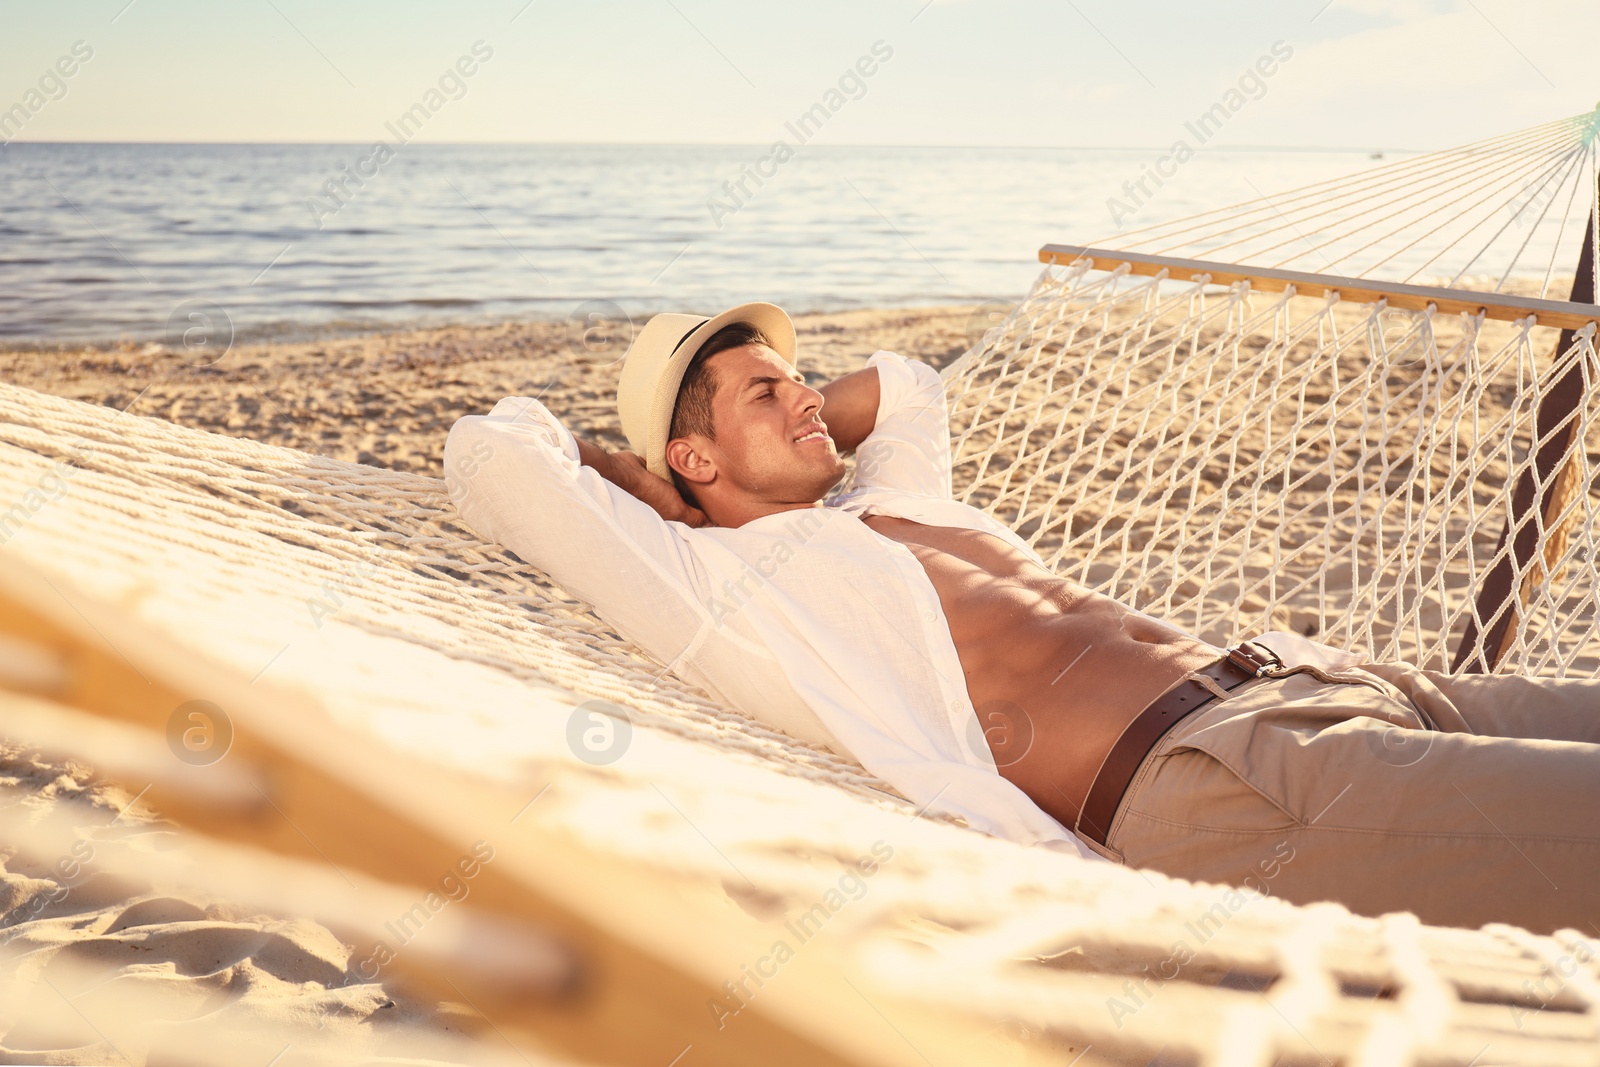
x: 656, y: 491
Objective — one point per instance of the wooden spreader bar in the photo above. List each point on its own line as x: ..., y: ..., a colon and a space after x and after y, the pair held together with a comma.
x: 627, y: 957
x: 1562, y: 314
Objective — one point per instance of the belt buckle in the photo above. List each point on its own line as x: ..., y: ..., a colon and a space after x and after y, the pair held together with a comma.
x: 1255, y: 659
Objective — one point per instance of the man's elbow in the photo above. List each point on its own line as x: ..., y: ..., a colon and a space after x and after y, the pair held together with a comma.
x: 467, y: 451
x: 850, y: 407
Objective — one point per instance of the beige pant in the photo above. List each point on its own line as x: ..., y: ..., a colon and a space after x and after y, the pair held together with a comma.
x: 1466, y: 799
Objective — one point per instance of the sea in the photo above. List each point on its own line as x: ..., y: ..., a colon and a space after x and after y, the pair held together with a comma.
x: 106, y: 243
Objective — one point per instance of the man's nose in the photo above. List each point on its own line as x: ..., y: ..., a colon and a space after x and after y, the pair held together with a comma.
x: 810, y: 399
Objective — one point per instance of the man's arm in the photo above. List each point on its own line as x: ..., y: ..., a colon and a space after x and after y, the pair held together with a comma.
x: 627, y: 471
x: 907, y: 441
x: 517, y: 479
x: 850, y: 407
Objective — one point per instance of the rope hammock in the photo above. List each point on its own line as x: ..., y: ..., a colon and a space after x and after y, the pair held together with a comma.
x: 1271, y: 453
x: 1229, y: 457
x: 1231, y: 462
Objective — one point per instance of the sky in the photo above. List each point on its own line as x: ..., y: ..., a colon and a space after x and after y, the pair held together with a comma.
x: 1357, y: 74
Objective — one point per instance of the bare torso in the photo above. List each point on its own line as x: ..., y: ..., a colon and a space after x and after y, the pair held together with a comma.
x: 1055, y: 671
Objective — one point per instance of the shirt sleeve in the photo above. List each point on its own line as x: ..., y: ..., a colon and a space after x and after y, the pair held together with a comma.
x: 514, y: 476
x: 909, y: 446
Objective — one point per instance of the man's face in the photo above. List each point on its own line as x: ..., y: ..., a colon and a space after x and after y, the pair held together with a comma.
x: 771, y: 441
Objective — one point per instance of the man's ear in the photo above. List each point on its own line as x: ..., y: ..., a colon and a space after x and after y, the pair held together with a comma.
x: 689, y: 457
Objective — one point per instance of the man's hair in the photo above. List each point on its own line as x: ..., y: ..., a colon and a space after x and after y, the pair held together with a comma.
x: 692, y: 411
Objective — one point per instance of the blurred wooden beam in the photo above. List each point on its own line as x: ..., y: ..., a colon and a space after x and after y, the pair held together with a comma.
x: 649, y: 951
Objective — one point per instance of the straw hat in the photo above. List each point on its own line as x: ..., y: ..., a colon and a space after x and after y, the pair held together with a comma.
x: 655, y: 363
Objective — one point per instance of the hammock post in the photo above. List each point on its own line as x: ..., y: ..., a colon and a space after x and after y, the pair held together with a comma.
x: 1553, y: 430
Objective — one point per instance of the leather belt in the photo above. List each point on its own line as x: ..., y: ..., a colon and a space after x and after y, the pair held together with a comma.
x: 1242, y: 663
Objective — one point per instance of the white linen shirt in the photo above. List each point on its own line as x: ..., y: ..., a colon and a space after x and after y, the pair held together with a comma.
x: 808, y: 620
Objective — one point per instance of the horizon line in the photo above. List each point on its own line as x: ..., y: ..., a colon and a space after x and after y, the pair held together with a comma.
x: 729, y: 144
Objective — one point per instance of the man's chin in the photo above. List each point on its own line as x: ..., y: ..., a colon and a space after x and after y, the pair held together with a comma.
x: 811, y: 481
x: 827, y: 481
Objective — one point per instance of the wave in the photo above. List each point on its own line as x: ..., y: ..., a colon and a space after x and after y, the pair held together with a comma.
x: 416, y: 301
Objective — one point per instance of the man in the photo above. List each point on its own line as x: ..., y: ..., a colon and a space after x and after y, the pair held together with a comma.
x: 930, y: 642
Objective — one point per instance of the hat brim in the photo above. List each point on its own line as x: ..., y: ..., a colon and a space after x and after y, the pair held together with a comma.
x: 770, y: 319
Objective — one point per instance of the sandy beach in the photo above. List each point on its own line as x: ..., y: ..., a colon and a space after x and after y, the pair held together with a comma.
x: 389, y: 399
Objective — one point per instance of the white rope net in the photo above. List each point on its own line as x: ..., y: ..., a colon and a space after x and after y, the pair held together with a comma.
x: 1235, y: 461
x: 380, y: 547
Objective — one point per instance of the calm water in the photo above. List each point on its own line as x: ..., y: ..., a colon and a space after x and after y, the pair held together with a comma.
x: 105, y: 241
